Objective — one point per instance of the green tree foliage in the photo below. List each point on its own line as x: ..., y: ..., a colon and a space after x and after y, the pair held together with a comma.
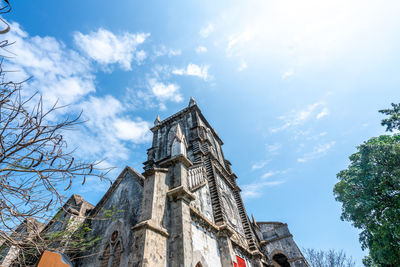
x: 393, y: 122
x: 369, y: 190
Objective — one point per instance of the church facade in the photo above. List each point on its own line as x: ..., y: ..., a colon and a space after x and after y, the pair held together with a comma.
x: 184, y: 210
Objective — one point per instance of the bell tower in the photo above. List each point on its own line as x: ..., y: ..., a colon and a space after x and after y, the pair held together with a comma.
x: 192, y: 213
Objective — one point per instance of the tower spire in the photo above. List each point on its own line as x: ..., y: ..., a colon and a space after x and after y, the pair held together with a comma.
x: 157, y: 121
x: 179, y: 134
x: 192, y: 102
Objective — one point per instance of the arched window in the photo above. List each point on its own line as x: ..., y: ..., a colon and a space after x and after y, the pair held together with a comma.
x: 112, y: 253
x: 281, y: 260
x: 199, y: 264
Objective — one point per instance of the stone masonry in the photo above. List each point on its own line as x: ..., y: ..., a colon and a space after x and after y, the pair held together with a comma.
x: 185, y: 209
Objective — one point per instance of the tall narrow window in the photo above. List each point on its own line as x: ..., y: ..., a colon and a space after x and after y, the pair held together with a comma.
x: 105, y: 256
x: 112, y: 254
x: 117, y: 255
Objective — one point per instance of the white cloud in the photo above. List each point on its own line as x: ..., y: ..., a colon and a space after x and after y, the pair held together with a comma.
x: 109, y: 131
x: 242, y: 66
x: 201, y: 49
x: 273, y: 173
x: 308, y: 135
x: 317, y: 152
x: 157, y: 91
x: 194, y: 70
x: 254, y: 190
x: 235, y: 41
x: 207, y: 30
x: 308, y: 32
x: 140, y: 56
x: 301, y: 116
x: 273, y: 148
x: 164, y: 51
x: 259, y: 165
x: 60, y: 73
x: 164, y: 91
x: 106, y: 48
x: 287, y: 74
x: 324, y: 112
x: 268, y: 174
x: 135, y: 131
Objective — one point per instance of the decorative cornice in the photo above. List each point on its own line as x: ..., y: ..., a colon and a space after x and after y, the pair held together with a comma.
x: 152, y: 171
x: 172, y: 161
x: 204, y: 219
x: 148, y: 224
x: 179, y: 193
x: 226, y: 230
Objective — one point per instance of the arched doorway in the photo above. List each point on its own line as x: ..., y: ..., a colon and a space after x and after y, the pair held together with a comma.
x: 199, y: 264
x: 280, y: 260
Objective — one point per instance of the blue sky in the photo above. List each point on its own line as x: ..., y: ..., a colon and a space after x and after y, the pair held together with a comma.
x: 292, y: 87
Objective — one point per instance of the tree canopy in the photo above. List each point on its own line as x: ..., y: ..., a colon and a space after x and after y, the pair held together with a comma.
x: 369, y: 190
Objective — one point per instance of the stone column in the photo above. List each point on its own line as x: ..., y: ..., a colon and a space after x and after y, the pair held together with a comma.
x: 150, y: 238
x: 180, y: 241
x: 225, y: 246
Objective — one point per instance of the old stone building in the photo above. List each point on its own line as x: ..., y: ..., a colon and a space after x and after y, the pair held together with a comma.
x: 184, y: 210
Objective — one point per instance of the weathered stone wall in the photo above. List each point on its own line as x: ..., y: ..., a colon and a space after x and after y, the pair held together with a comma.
x: 278, y: 240
x: 230, y: 206
x: 164, y: 135
x: 202, y: 201
x: 205, y: 247
x: 118, y: 211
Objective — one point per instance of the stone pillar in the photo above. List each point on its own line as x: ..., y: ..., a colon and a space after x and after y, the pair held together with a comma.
x: 225, y: 246
x: 180, y: 241
x: 150, y: 238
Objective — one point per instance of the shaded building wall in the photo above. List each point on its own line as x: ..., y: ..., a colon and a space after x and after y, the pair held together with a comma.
x: 278, y: 244
x: 115, y: 214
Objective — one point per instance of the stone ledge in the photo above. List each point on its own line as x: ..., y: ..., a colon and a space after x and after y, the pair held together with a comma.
x: 149, y: 225
x: 154, y: 170
x: 204, y: 219
x: 179, y: 193
x: 225, y: 229
x: 196, y: 187
x: 278, y: 238
x: 178, y: 158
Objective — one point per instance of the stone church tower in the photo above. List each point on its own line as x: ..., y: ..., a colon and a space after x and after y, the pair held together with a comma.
x: 184, y: 211
x: 192, y: 213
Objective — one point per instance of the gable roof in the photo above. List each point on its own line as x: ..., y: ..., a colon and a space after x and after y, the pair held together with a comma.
x: 74, y: 201
x: 114, y: 186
